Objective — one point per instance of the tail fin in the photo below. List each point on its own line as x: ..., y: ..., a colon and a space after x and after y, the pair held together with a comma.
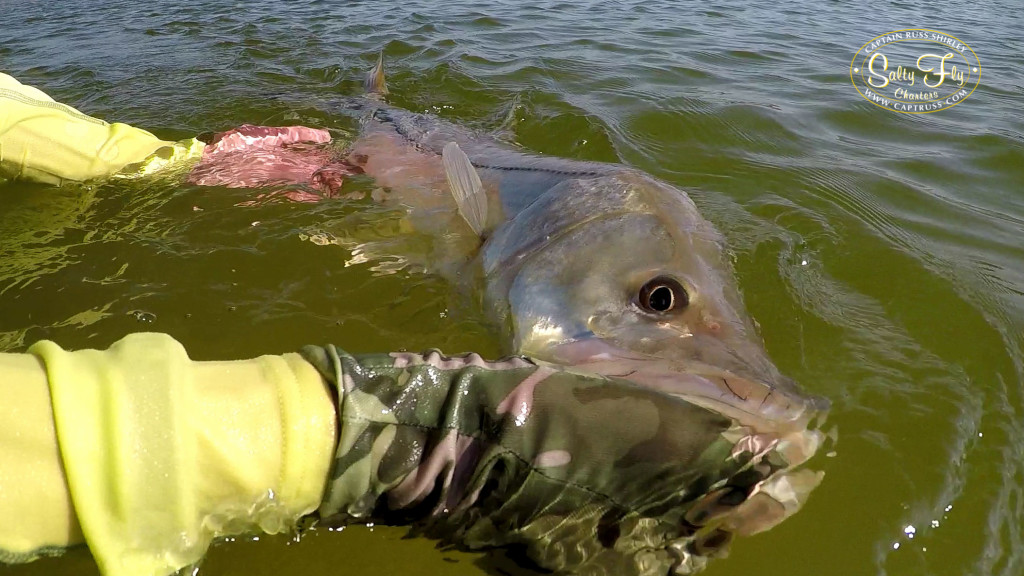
x: 375, y: 83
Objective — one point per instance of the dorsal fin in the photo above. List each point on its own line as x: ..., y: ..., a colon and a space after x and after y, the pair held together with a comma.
x: 466, y: 187
x: 375, y: 83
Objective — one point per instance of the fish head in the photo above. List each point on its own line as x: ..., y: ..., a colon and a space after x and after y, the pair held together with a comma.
x: 621, y: 275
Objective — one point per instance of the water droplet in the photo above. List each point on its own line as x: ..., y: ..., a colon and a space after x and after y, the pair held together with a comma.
x: 143, y: 316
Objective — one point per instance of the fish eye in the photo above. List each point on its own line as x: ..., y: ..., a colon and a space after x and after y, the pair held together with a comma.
x: 663, y: 294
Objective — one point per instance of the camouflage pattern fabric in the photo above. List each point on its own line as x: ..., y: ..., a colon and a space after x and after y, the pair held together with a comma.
x: 590, y: 475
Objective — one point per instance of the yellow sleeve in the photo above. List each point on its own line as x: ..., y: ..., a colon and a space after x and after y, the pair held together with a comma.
x: 147, y: 455
x: 45, y: 141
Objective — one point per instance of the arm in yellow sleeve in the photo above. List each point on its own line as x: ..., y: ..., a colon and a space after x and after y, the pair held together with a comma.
x: 147, y: 455
x: 153, y: 454
x: 45, y: 141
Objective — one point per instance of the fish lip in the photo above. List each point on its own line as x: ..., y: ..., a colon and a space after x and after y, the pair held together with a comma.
x: 759, y: 405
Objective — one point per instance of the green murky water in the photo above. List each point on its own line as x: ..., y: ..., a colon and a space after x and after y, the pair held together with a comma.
x: 882, y: 254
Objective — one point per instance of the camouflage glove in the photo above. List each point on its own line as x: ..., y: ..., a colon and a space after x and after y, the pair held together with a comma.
x: 591, y: 475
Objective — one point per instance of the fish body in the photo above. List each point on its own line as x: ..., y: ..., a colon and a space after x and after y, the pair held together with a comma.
x: 588, y: 264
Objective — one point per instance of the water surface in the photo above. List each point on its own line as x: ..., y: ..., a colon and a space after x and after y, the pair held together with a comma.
x: 881, y: 254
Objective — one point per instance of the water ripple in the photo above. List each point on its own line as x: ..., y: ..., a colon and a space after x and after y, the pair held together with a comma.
x: 880, y: 253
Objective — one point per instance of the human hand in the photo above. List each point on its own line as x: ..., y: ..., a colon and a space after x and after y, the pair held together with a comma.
x: 259, y: 156
x: 591, y: 475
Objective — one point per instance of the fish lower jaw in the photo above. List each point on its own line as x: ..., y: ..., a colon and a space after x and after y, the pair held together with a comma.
x: 748, y: 402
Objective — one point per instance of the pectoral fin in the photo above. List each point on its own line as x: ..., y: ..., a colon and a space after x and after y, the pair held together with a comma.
x: 466, y: 187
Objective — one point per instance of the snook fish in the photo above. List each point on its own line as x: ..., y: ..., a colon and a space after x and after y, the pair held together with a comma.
x: 594, y: 265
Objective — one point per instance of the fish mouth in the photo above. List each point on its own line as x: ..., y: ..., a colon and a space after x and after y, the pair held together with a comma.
x: 760, y: 405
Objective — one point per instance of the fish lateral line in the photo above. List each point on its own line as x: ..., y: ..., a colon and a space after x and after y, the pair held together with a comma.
x: 538, y: 169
